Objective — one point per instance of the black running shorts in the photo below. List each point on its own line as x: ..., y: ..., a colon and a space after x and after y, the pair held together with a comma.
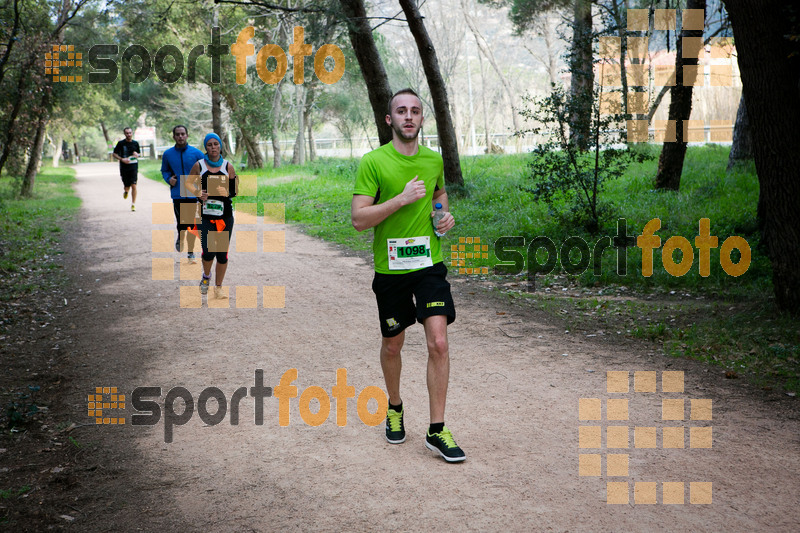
x: 406, y: 298
x: 129, y: 175
x: 217, y: 241
x: 188, y: 218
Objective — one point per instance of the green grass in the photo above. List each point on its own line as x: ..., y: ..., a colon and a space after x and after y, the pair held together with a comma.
x: 6, y: 494
x: 30, y: 229
x: 728, y: 200
x: 318, y: 198
x: 497, y: 206
x: 734, y: 326
x: 749, y: 340
x: 151, y: 169
x: 493, y: 204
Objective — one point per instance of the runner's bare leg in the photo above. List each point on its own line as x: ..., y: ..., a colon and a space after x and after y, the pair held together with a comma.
x: 438, y: 365
x: 391, y: 364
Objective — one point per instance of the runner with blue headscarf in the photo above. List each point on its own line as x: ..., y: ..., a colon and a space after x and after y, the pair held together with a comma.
x: 217, y: 185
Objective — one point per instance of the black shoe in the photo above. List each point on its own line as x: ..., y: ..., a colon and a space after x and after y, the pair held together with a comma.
x: 443, y: 443
x: 395, y: 430
x: 178, y: 244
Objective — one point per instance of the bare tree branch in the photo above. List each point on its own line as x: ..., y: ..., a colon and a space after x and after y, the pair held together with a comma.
x: 274, y: 7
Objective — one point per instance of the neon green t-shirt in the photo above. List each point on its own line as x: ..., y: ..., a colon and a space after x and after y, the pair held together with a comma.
x: 383, y: 174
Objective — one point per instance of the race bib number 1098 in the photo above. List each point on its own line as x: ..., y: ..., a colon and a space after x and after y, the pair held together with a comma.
x: 409, y: 253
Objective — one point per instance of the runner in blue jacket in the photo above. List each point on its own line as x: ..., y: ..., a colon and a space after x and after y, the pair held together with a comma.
x: 175, y: 165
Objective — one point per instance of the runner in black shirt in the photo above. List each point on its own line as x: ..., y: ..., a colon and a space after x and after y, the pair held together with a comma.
x: 126, y: 152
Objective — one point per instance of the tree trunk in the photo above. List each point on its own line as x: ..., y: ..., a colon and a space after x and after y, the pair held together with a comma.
x: 57, y: 151
x: 239, y: 142
x: 770, y: 66
x: 254, y: 157
x: 299, y: 156
x: 550, y: 46
x: 216, y: 115
x: 485, y: 107
x: 308, y: 105
x: 742, y: 147
x: 312, y: 151
x: 12, y: 38
x: 444, y: 123
x: 36, y: 151
x: 76, y: 157
x: 619, y: 19
x: 484, y: 47
x: 582, y: 75
x: 369, y: 60
x: 276, y: 119
x: 657, y: 102
x: 256, y: 160
x: 458, y: 130
x: 25, y: 69
x: 670, y: 164
x: 12, y: 117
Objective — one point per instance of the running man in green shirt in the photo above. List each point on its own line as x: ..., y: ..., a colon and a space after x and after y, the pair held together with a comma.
x: 397, y: 186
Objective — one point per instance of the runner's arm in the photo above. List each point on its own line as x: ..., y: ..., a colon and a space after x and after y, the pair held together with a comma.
x: 166, y: 171
x: 116, y: 155
x: 365, y: 214
x: 440, y: 197
x: 192, y: 181
x: 448, y: 222
x: 233, y: 187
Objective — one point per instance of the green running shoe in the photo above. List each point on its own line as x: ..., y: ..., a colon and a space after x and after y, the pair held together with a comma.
x: 395, y: 430
x: 443, y: 443
x: 204, y: 285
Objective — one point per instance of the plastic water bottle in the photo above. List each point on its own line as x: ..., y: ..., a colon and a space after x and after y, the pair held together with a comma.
x: 438, y: 214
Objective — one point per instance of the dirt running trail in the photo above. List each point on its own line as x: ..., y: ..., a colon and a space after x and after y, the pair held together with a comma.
x: 516, y: 381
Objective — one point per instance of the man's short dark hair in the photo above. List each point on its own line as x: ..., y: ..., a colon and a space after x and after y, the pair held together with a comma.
x: 127, y: 128
x: 407, y: 90
x: 180, y: 126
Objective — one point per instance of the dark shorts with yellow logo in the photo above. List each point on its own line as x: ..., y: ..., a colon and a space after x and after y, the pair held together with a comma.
x: 407, y: 298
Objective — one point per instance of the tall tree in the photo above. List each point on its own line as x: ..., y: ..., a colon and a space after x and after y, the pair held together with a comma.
x: 275, y: 131
x: 766, y: 36
x: 10, y: 38
x: 370, y: 63
x: 441, y: 107
x: 255, y: 159
x: 216, y: 112
x: 486, y: 50
x: 27, y: 100
x: 670, y: 163
x: 35, y: 157
x: 299, y: 154
x: 742, y: 146
x: 525, y: 14
x: 216, y: 96
x: 581, y: 68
